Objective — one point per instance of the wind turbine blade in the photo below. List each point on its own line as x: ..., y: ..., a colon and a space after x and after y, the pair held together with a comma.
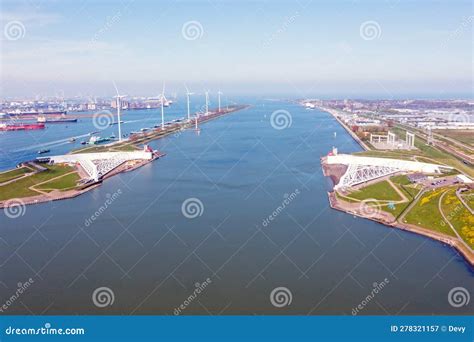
x: 115, y: 86
x: 187, y: 90
x: 163, y: 88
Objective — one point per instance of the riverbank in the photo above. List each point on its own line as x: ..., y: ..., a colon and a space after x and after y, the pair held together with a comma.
x: 57, y: 195
x: 335, y: 114
x: 32, y: 194
x: 389, y: 221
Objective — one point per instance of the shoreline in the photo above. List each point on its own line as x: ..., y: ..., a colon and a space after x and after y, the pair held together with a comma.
x: 57, y: 195
x: 468, y: 255
x: 348, y: 130
x: 384, y: 218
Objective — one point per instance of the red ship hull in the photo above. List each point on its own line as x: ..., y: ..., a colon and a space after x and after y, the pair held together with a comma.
x: 21, y: 127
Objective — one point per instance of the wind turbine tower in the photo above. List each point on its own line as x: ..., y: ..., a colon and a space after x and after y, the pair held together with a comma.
x: 219, y: 93
x: 163, y: 99
x: 119, y: 108
x: 207, y: 102
x: 187, y: 100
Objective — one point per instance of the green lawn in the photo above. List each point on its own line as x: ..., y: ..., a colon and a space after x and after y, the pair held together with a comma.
x: 20, y: 188
x: 64, y: 183
x: 464, y: 136
x: 382, y: 191
x: 12, y: 174
x: 343, y: 198
x: 459, y: 216
x: 425, y: 213
x: 400, y: 179
x: 395, y: 209
x: 469, y: 198
x: 434, y: 153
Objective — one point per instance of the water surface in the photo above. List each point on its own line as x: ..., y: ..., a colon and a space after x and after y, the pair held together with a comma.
x: 242, y: 169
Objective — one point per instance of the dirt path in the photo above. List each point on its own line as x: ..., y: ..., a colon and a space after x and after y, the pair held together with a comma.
x: 33, y: 187
x: 449, y: 223
x: 464, y: 202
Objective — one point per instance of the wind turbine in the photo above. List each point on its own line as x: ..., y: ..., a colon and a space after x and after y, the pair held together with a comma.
x: 119, y: 108
x: 219, y: 93
x: 207, y: 102
x: 187, y: 98
x: 163, y: 99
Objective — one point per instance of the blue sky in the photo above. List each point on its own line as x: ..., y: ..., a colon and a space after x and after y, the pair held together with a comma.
x: 300, y: 48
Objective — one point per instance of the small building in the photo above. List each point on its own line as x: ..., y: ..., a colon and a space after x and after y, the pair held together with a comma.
x: 464, y: 179
x: 416, y: 177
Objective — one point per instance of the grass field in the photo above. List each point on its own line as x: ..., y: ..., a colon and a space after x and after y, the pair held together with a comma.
x: 12, y: 174
x: 20, y: 188
x: 425, y: 213
x: 382, y: 191
x: 459, y: 216
x: 404, y: 184
x: 66, y: 182
x: 433, y: 153
x: 469, y: 198
x: 464, y: 136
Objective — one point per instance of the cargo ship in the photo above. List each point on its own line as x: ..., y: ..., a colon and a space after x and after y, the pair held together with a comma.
x: 21, y: 127
x: 43, y: 119
x: 37, y: 112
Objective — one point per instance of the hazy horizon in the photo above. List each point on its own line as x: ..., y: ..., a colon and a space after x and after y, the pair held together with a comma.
x: 305, y: 49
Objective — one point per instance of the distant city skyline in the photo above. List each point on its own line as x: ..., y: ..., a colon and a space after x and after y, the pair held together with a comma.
x: 302, y: 49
